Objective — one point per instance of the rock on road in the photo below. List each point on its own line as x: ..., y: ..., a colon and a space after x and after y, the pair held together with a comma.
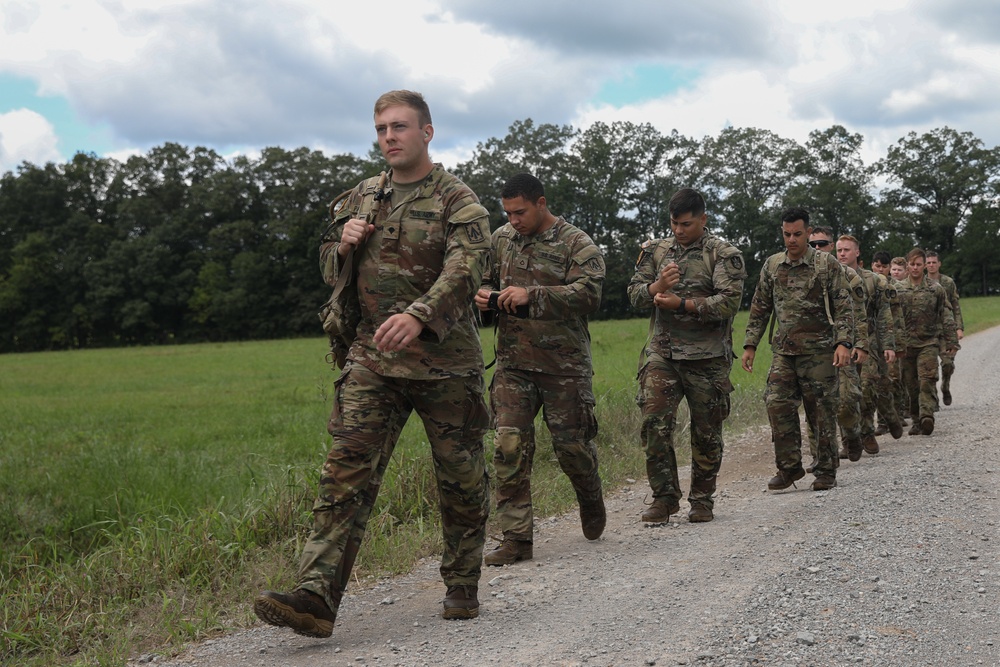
x: 899, y: 565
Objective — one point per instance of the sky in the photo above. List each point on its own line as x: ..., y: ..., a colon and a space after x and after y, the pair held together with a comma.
x: 117, y: 77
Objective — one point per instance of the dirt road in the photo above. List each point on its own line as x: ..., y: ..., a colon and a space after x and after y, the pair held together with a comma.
x: 899, y: 565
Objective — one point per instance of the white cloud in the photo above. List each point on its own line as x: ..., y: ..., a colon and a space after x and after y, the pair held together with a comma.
x: 26, y: 136
x: 297, y: 72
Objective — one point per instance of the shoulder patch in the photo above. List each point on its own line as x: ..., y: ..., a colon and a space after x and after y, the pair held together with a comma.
x: 859, y: 291
x: 736, y: 262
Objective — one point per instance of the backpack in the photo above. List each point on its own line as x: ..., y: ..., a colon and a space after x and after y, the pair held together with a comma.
x: 341, y: 313
x: 820, y: 268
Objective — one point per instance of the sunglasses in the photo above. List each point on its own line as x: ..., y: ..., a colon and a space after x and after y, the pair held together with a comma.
x: 819, y: 243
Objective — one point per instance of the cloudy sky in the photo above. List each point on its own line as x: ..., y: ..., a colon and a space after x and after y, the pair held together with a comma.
x: 117, y: 77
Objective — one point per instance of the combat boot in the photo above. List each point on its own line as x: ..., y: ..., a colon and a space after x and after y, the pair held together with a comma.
x: 927, y: 425
x: 915, y: 429
x: 700, y: 513
x: 509, y: 552
x: 882, y: 429
x: 303, y: 611
x: 946, y: 394
x: 870, y: 444
x: 661, y: 509
x: 824, y: 483
x: 854, y: 448
x: 461, y: 602
x: 593, y: 518
x: 895, y: 430
x: 785, y: 479
x: 700, y: 497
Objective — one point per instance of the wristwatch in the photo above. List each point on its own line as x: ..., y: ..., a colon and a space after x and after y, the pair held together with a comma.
x: 845, y: 344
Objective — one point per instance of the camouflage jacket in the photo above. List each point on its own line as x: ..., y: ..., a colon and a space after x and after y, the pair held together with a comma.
x: 881, y: 331
x: 895, y: 306
x: 859, y: 297
x: 795, y: 291
x: 712, y: 275
x: 927, y: 315
x: 562, y: 270
x: 426, y: 258
x: 951, y: 289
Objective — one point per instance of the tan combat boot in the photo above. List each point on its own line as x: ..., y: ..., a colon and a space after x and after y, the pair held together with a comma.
x: 661, y: 509
x: 509, y: 552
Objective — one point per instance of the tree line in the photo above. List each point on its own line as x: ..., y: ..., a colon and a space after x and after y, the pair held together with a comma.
x: 182, y: 245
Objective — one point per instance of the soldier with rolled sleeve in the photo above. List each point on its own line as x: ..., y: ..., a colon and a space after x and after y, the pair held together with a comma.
x: 693, y: 280
x: 807, y: 294
x: 419, y: 260
x: 544, y: 283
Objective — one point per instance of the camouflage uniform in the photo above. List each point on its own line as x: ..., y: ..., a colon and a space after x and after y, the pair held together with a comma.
x: 948, y: 359
x: 930, y: 327
x: 900, y: 404
x: 849, y: 393
x: 688, y: 356
x: 875, y: 386
x: 426, y: 257
x: 798, y: 293
x: 544, y: 362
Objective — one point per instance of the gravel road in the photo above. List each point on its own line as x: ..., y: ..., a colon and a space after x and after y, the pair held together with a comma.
x: 899, y: 565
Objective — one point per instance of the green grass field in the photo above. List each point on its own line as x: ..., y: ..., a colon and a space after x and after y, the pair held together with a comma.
x: 147, y: 493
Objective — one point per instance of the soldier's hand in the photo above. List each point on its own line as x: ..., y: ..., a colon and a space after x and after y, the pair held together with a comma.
x: 353, y: 234
x: 397, y: 332
x: 670, y: 275
x: 482, y: 299
x: 960, y: 333
x: 841, y: 356
x: 748, y: 356
x: 512, y: 297
x: 890, y: 356
x: 666, y: 300
x: 859, y: 356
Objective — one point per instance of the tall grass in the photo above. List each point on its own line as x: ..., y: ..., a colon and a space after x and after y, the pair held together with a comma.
x: 146, y: 493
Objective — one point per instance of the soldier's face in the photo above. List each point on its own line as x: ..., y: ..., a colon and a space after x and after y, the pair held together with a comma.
x: 688, y: 228
x: 821, y: 242
x: 898, y: 271
x: 847, y: 253
x: 524, y: 216
x: 796, y: 235
x: 402, y: 140
x: 933, y: 265
x: 916, y: 267
x: 880, y: 268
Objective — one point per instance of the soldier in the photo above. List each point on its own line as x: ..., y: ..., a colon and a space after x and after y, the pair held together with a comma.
x: 881, y: 264
x: 930, y: 327
x: 417, y: 348
x: 875, y: 389
x: 897, y: 272
x: 947, y: 359
x: 689, y: 354
x: 806, y: 293
x: 849, y: 377
x: 552, y: 272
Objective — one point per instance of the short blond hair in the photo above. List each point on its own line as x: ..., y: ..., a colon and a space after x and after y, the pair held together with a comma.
x: 406, y: 98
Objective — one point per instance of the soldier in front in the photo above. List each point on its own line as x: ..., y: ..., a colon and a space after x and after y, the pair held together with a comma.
x: 418, y: 267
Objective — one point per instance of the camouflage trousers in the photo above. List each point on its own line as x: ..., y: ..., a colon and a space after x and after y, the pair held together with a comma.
x: 876, y: 390
x: 849, y: 400
x: 663, y: 383
x: 920, y: 373
x: 947, y: 368
x: 369, y: 412
x: 809, y: 379
x: 567, y: 405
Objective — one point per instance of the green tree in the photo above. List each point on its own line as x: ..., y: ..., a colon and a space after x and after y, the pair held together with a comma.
x: 936, y: 179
